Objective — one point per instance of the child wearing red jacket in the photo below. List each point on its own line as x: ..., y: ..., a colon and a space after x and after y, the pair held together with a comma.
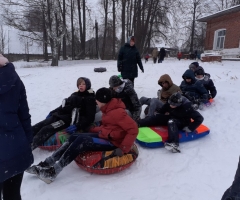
x: 117, y: 132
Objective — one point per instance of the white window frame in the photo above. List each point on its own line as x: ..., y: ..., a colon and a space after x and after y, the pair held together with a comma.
x: 218, y: 43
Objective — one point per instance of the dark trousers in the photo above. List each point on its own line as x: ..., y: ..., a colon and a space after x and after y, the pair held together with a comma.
x: 174, y: 125
x: 78, y: 143
x: 10, y: 188
x: 132, y: 79
x: 233, y: 192
x: 154, y: 60
x: 45, y: 129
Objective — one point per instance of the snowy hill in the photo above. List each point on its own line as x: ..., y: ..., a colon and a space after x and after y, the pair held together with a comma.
x: 204, y: 169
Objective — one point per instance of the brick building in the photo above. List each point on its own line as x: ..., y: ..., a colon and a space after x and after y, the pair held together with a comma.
x: 223, y: 32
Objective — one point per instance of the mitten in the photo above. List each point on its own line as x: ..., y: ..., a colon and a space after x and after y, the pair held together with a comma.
x: 186, y: 129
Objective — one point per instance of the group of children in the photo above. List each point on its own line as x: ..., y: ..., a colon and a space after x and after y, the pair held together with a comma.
x: 120, y: 110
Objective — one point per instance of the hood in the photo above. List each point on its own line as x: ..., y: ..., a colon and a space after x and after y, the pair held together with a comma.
x: 189, y: 73
x: 8, y: 77
x: 165, y: 78
x: 113, y: 104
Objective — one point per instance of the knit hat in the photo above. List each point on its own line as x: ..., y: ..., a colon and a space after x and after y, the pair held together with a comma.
x: 103, y: 95
x: 175, y: 99
x: 193, y: 66
x: 86, y: 80
x: 199, y: 71
x: 3, y: 60
x: 115, y: 81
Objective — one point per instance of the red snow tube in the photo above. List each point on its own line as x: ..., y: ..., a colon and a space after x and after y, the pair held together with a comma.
x: 101, y: 162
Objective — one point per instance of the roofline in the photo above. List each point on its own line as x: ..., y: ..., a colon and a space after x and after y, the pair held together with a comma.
x: 220, y: 13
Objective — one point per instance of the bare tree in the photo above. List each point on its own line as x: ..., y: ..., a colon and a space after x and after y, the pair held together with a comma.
x: 3, y: 40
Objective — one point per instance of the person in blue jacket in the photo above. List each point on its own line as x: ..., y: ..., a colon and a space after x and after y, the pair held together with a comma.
x: 15, y: 132
x: 194, y: 90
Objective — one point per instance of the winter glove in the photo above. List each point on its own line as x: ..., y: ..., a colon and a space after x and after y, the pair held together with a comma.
x: 71, y: 129
x: 186, y: 129
x: 142, y: 70
x: 49, y: 115
x: 118, y: 152
x: 74, y: 101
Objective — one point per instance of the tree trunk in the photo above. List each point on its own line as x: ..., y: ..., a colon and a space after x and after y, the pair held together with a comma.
x: 72, y: 27
x: 193, y: 26
x: 123, y: 22
x: 114, y: 31
x: 64, y: 45
x: 84, y: 29
x: 105, y: 5
x: 96, y: 29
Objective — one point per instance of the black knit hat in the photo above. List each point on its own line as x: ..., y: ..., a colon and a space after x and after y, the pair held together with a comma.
x: 103, y: 95
x: 199, y: 71
x: 86, y: 80
x: 115, y: 81
x: 175, y: 99
x: 193, y: 66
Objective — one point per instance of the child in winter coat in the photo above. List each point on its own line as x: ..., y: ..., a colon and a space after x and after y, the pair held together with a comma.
x: 76, y: 113
x: 206, y: 81
x: 15, y: 131
x: 176, y: 114
x: 168, y: 88
x: 194, y: 90
x: 179, y: 55
x: 146, y: 57
x: 124, y: 90
x: 117, y: 132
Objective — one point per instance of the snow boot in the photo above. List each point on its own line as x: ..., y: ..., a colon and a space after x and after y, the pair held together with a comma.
x: 173, y: 147
x: 47, y: 175
x: 34, y: 169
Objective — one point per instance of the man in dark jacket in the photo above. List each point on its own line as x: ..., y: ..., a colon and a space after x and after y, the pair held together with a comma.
x: 176, y: 114
x: 76, y: 113
x: 123, y: 89
x: 194, y: 90
x: 233, y: 192
x: 15, y: 131
x: 161, y: 55
x: 128, y: 59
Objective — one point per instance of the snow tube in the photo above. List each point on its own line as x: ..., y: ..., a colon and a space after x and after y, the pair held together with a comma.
x: 153, y: 137
x: 100, y: 69
x: 101, y: 162
x: 55, y: 141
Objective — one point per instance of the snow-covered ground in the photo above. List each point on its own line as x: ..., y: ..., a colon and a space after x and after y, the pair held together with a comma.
x: 204, y: 169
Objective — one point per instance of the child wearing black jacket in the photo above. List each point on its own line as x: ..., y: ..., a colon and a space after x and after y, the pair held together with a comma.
x: 76, y: 113
x: 177, y: 114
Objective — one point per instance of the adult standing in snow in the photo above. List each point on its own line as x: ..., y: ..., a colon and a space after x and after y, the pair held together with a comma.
x: 155, y: 54
x: 161, y: 55
x: 15, y: 132
x: 77, y: 112
x: 128, y: 59
x: 117, y: 132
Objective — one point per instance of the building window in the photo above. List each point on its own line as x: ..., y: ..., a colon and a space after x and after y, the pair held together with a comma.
x: 219, y: 39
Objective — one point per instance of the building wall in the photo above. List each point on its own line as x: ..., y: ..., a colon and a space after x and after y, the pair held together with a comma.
x: 230, y: 22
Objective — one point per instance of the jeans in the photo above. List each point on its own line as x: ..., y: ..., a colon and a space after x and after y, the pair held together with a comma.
x: 153, y: 103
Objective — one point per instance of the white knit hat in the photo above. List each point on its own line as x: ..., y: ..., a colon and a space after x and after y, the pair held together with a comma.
x: 3, y: 60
